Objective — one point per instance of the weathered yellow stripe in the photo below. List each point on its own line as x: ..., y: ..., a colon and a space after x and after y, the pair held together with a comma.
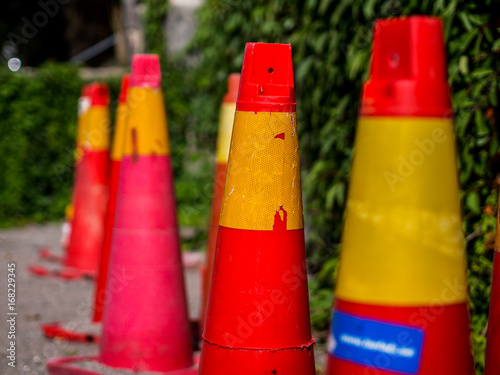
x: 95, y: 133
x: 225, y: 131
x: 263, y: 172
x: 146, y: 132
x: 120, y: 129
x: 402, y: 242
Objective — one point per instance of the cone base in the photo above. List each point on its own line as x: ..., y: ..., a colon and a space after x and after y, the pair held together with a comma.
x: 445, y: 348
x: 68, y: 366
x: 225, y: 361
x: 64, y: 273
x: 146, y: 323
x: 56, y: 331
x: 46, y: 253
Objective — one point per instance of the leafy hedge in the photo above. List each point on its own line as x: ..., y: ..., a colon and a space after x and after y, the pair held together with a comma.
x: 331, y: 49
x: 38, y: 116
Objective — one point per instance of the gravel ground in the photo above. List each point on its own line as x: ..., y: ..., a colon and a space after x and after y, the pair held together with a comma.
x: 38, y: 300
x: 43, y: 300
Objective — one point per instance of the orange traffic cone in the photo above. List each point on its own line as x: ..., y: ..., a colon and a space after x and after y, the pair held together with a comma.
x: 492, y: 360
x: 401, y: 292
x: 115, y: 160
x: 91, y: 190
x: 226, y: 119
x: 258, y: 310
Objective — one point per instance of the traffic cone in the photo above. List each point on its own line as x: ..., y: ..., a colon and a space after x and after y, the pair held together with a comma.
x: 145, y: 323
x: 84, y: 104
x: 401, y: 292
x: 115, y: 160
x: 91, y: 190
x: 66, y: 330
x: 258, y: 311
x: 83, y: 107
x: 223, y: 143
x: 492, y: 360
x: 90, y: 181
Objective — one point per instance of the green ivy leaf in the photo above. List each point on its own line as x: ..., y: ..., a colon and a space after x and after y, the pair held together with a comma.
x: 472, y: 201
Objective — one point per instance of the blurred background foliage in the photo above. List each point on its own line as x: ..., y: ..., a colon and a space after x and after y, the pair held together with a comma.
x: 331, y: 42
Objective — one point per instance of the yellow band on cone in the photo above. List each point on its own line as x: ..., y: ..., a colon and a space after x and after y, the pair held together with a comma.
x: 95, y: 133
x: 120, y: 129
x: 402, y: 242
x: 263, y: 172
x: 225, y: 130
x: 146, y: 132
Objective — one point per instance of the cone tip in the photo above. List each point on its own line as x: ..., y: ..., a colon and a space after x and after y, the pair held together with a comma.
x: 408, y: 69
x: 124, y: 88
x: 98, y: 93
x: 145, y: 71
x: 267, y: 78
x: 85, y: 91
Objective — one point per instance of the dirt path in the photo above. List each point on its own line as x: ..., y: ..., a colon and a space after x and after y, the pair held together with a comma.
x: 38, y: 300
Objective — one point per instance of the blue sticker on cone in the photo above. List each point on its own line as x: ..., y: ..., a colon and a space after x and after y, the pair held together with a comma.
x: 375, y: 343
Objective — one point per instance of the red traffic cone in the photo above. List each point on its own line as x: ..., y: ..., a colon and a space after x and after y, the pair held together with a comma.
x: 91, y: 190
x: 226, y: 119
x: 401, y: 292
x: 145, y: 323
x: 47, y: 253
x: 492, y: 360
x: 258, y: 310
x: 115, y: 160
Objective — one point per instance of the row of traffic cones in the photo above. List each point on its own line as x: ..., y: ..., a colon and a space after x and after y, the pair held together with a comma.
x: 91, y: 243
x: 401, y: 296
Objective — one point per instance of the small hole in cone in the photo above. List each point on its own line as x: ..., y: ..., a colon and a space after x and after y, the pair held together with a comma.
x: 270, y: 70
x: 394, y: 60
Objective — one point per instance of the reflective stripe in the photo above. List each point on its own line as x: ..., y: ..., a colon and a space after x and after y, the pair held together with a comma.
x: 263, y: 172
x: 147, y: 123
x: 402, y: 242
x: 95, y: 130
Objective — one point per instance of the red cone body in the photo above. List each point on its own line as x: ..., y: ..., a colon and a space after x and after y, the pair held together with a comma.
x: 258, y: 311
x: 145, y: 322
x: 91, y: 190
x: 115, y: 160
x: 401, y: 292
x: 223, y: 144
